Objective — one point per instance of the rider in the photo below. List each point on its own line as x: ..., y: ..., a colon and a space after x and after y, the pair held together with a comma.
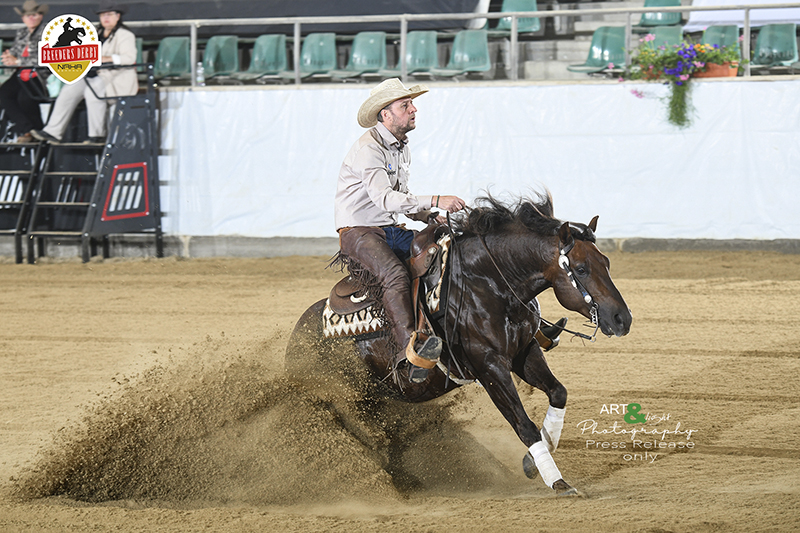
x: 372, y: 191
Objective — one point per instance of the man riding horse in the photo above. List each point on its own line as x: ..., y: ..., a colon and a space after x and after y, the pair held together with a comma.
x: 372, y: 191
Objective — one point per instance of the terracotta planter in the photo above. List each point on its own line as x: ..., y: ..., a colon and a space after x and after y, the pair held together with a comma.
x: 714, y: 70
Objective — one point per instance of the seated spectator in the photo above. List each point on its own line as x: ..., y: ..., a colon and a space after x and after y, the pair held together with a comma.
x: 118, y: 47
x: 18, y: 93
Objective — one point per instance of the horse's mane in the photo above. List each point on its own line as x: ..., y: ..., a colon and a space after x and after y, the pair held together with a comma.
x: 490, y: 215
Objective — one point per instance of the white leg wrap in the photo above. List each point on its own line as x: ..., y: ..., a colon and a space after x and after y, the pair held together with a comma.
x: 544, y: 462
x: 551, y: 428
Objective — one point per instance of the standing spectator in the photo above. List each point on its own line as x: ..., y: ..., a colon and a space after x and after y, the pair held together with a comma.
x: 119, y: 48
x: 17, y: 94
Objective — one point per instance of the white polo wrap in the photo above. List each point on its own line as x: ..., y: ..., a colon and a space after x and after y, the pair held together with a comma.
x: 552, y: 426
x: 544, y: 462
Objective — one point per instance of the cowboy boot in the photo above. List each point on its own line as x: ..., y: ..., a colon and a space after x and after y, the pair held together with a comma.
x: 548, y: 336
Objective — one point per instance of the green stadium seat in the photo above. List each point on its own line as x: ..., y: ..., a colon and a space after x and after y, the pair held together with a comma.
x: 608, y: 46
x: 172, y: 59
x: 666, y: 36
x: 727, y: 35
x: 317, y: 56
x: 221, y: 57
x: 649, y: 20
x: 524, y: 25
x: 368, y: 55
x: 470, y: 54
x: 776, y: 46
x: 268, y: 58
x: 422, y: 55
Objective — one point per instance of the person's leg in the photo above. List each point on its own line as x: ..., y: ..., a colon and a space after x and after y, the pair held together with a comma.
x: 20, y: 108
x: 68, y: 99
x: 95, y: 108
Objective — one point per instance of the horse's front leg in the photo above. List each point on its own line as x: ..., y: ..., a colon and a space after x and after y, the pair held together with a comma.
x: 496, y: 379
x: 532, y: 367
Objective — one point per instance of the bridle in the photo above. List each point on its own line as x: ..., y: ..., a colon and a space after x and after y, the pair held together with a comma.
x: 563, y: 261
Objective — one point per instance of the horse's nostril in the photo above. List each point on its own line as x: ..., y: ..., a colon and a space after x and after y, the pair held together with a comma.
x: 618, y: 320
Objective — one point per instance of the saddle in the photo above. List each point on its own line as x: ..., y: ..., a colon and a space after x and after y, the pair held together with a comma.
x: 348, y: 310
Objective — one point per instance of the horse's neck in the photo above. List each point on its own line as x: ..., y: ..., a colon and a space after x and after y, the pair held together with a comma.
x: 515, y: 270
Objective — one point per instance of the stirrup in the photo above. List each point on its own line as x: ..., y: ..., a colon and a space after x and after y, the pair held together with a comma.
x: 422, y: 360
x: 548, y: 336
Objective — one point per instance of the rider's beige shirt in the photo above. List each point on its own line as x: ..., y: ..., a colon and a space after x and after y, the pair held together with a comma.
x: 372, y: 189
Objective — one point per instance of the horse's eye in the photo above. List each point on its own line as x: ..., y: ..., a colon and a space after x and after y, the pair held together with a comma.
x: 581, y: 270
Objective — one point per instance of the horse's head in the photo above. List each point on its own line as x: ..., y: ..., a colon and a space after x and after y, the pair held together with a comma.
x: 582, y: 283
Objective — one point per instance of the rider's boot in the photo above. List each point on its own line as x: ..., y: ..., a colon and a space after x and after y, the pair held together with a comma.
x: 548, y: 336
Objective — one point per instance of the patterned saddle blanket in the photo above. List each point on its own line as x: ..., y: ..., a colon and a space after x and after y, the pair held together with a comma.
x: 350, y: 311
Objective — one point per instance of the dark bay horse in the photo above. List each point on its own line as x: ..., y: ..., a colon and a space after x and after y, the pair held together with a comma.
x: 501, y: 258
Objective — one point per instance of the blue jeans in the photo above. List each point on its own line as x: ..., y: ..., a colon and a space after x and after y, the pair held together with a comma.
x: 399, y: 240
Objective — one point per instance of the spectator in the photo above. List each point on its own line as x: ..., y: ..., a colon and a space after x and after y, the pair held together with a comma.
x: 17, y: 94
x: 118, y: 47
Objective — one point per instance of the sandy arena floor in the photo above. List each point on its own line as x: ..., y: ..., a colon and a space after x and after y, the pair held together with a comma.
x: 147, y: 396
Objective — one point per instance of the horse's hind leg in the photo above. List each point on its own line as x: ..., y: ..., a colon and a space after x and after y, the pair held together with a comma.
x: 533, y: 369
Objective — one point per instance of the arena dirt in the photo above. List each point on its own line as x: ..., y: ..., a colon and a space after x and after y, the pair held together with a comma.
x: 149, y: 395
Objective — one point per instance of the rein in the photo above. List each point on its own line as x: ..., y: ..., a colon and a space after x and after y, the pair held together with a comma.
x: 563, y: 261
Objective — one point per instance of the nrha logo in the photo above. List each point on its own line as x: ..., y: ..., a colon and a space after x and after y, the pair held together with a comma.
x: 69, y: 47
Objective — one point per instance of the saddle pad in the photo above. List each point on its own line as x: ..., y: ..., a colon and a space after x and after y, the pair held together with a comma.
x: 363, y: 322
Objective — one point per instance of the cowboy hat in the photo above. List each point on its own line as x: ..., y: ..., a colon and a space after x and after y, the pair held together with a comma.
x: 107, y: 6
x: 32, y: 6
x: 384, y: 94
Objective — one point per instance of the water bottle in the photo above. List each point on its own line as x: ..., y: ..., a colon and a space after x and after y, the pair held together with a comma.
x: 201, y: 75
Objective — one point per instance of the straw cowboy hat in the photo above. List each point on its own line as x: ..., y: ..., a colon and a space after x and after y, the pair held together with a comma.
x: 32, y: 6
x: 106, y: 6
x: 384, y: 94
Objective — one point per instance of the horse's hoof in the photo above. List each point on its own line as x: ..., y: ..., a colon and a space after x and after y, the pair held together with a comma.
x: 564, y: 489
x: 529, y: 467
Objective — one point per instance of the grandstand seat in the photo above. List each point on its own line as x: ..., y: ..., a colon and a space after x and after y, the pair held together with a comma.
x: 367, y: 56
x: 470, y: 54
x: 524, y: 25
x: 268, y: 58
x: 726, y: 35
x: 221, y: 57
x: 776, y: 47
x: 172, y: 59
x: 317, y: 56
x: 649, y: 20
x: 666, y: 36
x: 421, y: 55
x: 608, y: 46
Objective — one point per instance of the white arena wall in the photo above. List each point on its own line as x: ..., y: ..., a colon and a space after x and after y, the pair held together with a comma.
x: 262, y: 162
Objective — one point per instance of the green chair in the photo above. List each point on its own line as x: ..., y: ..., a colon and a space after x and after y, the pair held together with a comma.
x: 368, y: 55
x: 776, y: 46
x: 139, y: 54
x: 172, y: 59
x: 421, y: 55
x: 268, y: 58
x: 660, y: 19
x: 221, y: 57
x: 608, y: 46
x: 317, y: 56
x: 727, y: 35
x: 470, y: 54
x: 666, y: 36
x: 524, y: 25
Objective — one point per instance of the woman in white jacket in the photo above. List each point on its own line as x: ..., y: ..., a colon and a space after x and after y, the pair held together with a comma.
x: 119, y: 47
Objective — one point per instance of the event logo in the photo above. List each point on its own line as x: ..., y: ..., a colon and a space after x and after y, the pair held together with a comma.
x: 69, y: 47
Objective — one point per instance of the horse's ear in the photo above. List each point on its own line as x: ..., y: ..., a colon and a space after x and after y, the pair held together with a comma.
x: 565, y: 235
x: 593, y: 223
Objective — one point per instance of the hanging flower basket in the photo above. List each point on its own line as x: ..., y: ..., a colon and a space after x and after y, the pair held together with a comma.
x: 676, y: 65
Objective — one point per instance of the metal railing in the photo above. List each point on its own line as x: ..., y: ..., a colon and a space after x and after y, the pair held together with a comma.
x: 404, y: 19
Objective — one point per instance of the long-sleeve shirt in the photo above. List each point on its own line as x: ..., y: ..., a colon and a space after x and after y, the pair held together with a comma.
x: 372, y: 189
x: 25, y: 39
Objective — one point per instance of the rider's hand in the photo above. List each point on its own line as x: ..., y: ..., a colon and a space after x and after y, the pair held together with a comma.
x: 451, y: 204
